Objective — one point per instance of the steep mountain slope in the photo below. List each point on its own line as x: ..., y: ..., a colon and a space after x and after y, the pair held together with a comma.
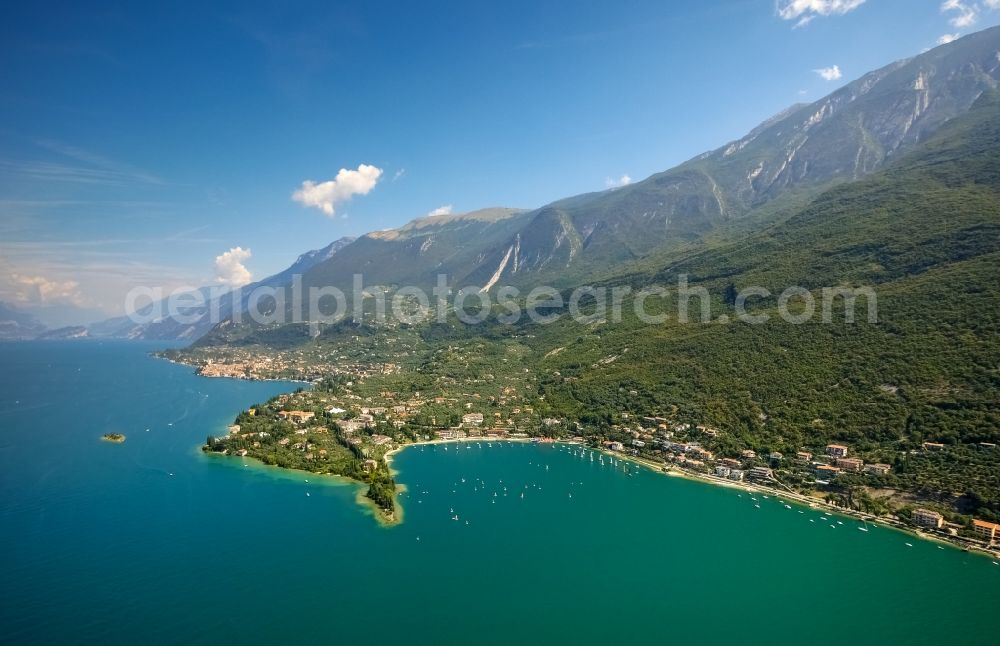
x: 841, y: 137
x: 198, y: 319
x: 304, y: 263
x: 417, y: 252
x: 925, y: 234
x: 720, y: 196
x: 789, y: 157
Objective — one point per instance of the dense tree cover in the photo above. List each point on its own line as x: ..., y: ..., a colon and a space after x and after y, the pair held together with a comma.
x: 262, y: 432
x: 924, y: 233
x: 382, y: 489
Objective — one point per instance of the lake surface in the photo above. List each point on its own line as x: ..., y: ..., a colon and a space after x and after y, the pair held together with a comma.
x: 152, y: 541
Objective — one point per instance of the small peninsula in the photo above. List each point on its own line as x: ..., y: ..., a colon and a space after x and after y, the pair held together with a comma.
x: 296, y: 431
x: 351, y: 425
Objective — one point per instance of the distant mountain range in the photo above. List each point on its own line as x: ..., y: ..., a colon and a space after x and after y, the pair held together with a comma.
x: 16, y: 325
x: 165, y: 327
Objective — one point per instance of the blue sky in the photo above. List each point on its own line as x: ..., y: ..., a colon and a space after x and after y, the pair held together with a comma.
x: 140, y: 141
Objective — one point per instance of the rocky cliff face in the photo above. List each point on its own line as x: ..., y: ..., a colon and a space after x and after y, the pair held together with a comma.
x: 792, y: 156
x: 841, y: 137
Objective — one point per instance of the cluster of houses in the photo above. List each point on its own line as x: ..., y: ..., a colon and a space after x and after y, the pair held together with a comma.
x: 254, y: 439
x: 296, y: 416
x: 930, y: 519
x: 459, y: 433
x: 472, y: 419
x: 837, y: 461
x: 398, y: 412
x: 691, y: 454
x: 367, y: 418
x: 250, y: 364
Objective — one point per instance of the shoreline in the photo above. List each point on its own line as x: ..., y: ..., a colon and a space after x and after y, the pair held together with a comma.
x: 331, y: 480
x: 708, y: 479
x: 809, y: 501
x: 401, y: 488
x: 671, y: 470
x: 667, y: 470
x: 197, y: 371
x: 389, y: 455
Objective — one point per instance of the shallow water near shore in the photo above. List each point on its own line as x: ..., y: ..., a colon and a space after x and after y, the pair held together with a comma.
x: 151, y: 540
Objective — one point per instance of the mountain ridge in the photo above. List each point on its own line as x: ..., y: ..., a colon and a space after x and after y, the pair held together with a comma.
x: 733, y: 189
x: 841, y: 137
x: 16, y: 325
x: 922, y: 233
x: 198, y: 318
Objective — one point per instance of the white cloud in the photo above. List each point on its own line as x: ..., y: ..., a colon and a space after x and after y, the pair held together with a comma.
x: 804, y: 11
x: 624, y: 180
x: 441, y: 210
x: 831, y: 73
x: 399, y: 173
x: 965, y: 13
x: 39, y: 289
x: 229, y: 268
x: 947, y: 38
x: 326, y: 195
x: 40, y: 274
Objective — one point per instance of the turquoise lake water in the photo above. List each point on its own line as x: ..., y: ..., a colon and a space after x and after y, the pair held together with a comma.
x: 150, y: 541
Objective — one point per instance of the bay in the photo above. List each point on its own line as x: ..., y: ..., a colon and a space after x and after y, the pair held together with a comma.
x: 150, y: 540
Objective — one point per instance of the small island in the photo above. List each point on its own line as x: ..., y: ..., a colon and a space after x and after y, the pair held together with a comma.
x: 117, y: 438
